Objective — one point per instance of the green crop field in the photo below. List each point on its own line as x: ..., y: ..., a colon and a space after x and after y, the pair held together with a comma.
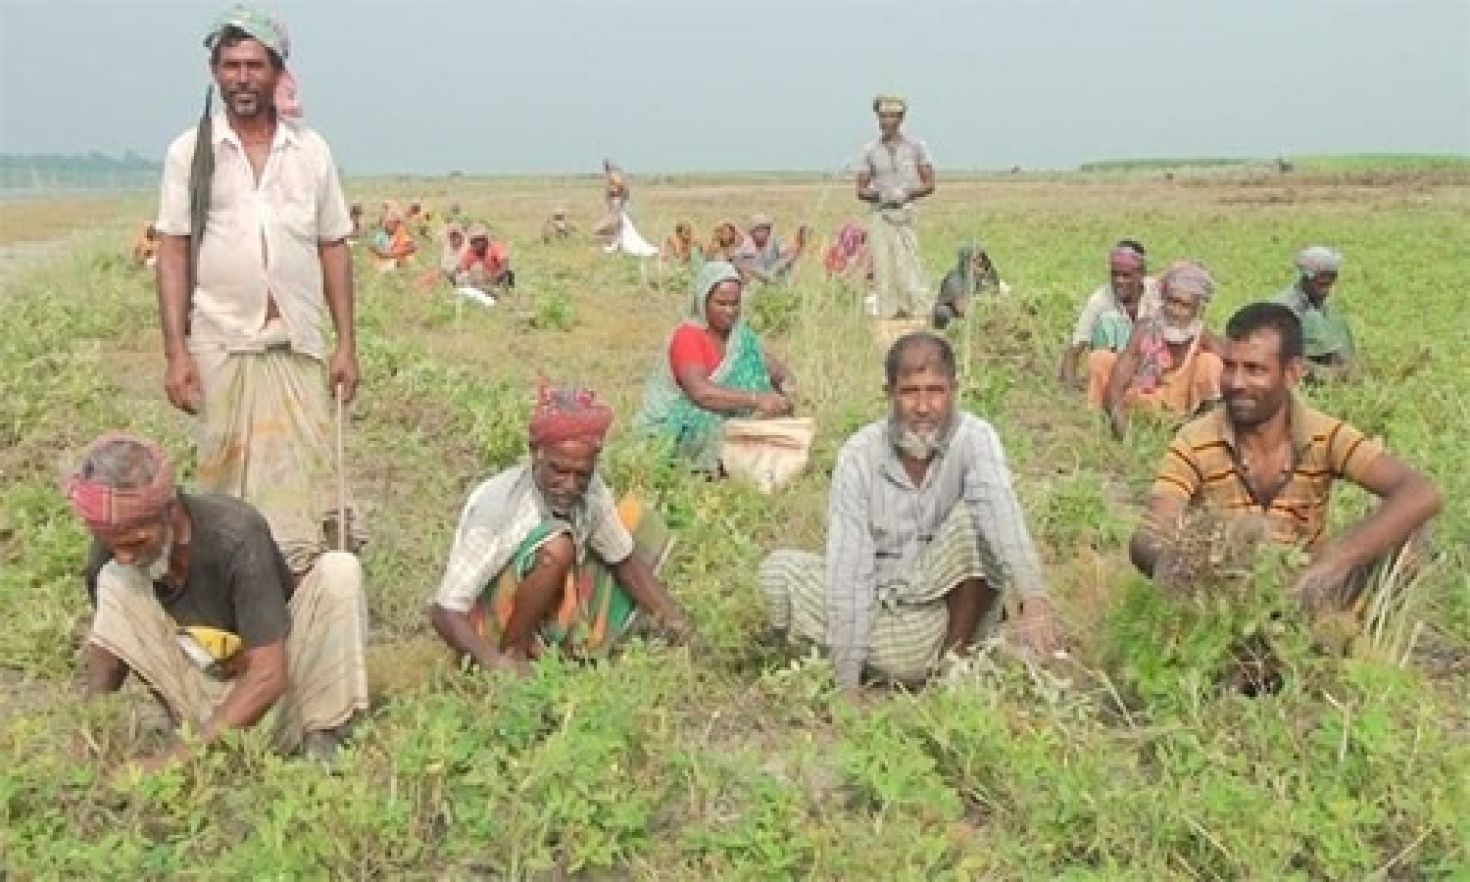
x: 737, y: 762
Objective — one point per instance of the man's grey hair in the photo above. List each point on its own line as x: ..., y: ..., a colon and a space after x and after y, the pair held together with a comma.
x: 941, y: 354
x: 120, y: 463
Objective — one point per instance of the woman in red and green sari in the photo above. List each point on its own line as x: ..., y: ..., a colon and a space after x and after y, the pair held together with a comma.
x: 714, y: 368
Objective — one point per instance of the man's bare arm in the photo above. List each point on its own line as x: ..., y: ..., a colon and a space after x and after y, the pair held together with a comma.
x: 460, y: 634
x: 1114, y: 396
x: 336, y: 260
x: 261, y: 685
x: 1121, y: 378
x: 181, y: 375
x: 105, y: 671
x: 1067, y: 372
x: 1408, y: 501
x: 644, y: 587
x: 1154, y: 533
x: 926, y: 182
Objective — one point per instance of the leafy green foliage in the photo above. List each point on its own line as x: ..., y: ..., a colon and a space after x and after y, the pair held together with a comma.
x: 1132, y: 760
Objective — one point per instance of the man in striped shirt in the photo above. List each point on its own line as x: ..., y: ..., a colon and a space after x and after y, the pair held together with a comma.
x: 924, y: 534
x: 1267, y: 454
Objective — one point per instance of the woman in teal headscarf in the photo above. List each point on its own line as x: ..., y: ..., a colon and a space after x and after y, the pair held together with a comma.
x: 714, y: 368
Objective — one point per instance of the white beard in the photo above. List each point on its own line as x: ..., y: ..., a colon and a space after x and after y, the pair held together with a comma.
x: 917, y: 445
x: 156, y: 570
x: 1182, y: 334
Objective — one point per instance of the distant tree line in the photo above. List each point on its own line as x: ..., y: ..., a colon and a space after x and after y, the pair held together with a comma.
x: 1162, y: 164
x: 79, y: 171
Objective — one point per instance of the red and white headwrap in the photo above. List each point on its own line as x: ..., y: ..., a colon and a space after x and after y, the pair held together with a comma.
x: 566, y: 414
x: 108, y: 509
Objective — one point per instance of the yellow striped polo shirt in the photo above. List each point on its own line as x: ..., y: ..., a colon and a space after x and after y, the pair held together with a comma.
x: 1203, y: 466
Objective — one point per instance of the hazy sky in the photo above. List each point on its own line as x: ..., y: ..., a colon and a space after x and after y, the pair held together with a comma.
x: 553, y: 85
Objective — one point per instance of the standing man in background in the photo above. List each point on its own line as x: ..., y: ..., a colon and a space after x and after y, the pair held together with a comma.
x: 893, y: 172
x: 254, y: 256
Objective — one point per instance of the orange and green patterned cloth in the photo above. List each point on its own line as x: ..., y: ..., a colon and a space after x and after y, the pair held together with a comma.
x: 595, y: 610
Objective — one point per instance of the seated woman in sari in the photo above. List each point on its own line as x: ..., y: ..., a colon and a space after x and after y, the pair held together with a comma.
x: 715, y: 368
x: 848, y: 259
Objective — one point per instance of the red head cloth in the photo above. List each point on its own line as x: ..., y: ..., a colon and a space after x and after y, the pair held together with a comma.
x: 565, y: 414
x: 288, y: 96
x: 107, y: 509
x: 1125, y: 259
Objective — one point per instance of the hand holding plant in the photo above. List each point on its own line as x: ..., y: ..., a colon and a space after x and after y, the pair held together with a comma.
x: 1037, y: 627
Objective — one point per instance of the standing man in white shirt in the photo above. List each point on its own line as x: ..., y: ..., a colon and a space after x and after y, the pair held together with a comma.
x: 254, y: 257
x: 894, y: 171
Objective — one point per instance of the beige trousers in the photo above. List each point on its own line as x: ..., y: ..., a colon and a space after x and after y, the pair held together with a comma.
x: 326, y: 669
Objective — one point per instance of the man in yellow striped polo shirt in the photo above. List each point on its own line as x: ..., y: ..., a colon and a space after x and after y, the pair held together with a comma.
x: 1267, y: 454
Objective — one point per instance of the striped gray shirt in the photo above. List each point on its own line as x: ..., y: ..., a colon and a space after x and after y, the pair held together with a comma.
x: 879, y: 522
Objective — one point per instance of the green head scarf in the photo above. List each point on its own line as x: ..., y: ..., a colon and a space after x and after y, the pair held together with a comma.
x: 964, y: 264
x: 711, y: 274
x: 963, y: 256
x: 254, y: 22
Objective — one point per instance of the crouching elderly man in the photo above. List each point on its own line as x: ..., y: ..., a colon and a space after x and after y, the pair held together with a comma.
x: 1171, y: 362
x: 193, y: 596
x: 925, y: 537
x: 544, y: 557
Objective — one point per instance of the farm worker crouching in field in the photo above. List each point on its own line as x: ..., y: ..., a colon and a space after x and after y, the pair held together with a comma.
x: 1327, y: 339
x: 893, y: 171
x: 417, y: 219
x: 974, y: 276
x: 485, y: 264
x: 1107, y: 318
x: 392, y: 245
x: 926, y: 542
x: 714, y: 368
x: 543, y: 557
x: 724, y: 242
x: 193, y: 596
x: 680, y: 247
x: 354, y: 214
x: 762, y: 258
x: 451, y: 250
x: 145, y: 246
x: 242, y: 324
x: 1267, y: 455
x: 1171, y: 362
x: 557, y: 228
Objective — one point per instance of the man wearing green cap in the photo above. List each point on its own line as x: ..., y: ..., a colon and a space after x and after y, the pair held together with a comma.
x: 254, y: 257
x: 893, y: 171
